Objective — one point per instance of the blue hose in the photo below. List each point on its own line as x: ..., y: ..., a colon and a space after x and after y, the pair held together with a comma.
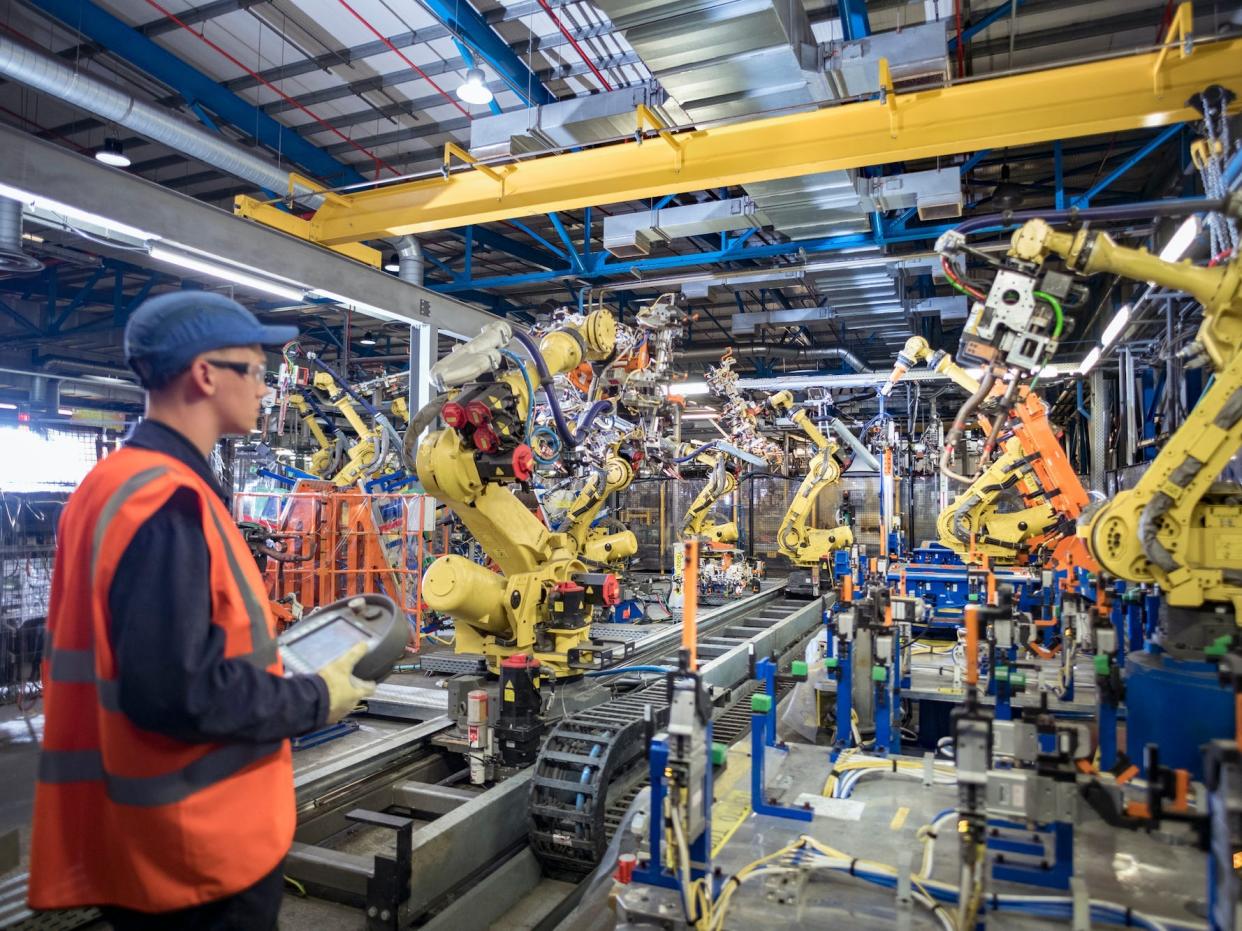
x: 701, y: 449
x: 599, y: 407
x: 545, y: 380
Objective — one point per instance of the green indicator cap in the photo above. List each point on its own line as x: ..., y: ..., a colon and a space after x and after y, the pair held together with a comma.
x: 761, y: 703
x: 879, y: 673
x: 798, y: 669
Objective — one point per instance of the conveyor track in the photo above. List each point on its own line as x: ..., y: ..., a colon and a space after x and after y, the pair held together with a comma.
x: 592, y: 764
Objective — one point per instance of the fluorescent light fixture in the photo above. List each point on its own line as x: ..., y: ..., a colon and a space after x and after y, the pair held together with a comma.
x: 1186, y: 234
x: 688, y: 388
x: 112, y: 153
x: 700, y: 416
x: 475, y: 89
x: 1116, y: 325
x: 1089, y: 362
x: 8, y: 407
x: 361, y: 306
x: 65, y: 411
x: 227, y: 273
x: 66, y: 212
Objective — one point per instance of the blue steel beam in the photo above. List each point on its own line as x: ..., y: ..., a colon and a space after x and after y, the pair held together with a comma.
x: 1082, y: 200
x: 854, y: 23
x: 102, y: 27
x: 988, y: 19
x: 519, y: 250
x: 464, y: 21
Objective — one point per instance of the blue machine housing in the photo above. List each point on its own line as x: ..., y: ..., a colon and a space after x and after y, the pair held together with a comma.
x: 1177, y: 704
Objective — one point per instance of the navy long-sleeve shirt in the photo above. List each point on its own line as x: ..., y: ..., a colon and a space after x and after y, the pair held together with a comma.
x: 172, y: 673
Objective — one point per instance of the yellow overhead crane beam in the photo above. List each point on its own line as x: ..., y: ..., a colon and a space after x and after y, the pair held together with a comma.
x: 1111, y: 95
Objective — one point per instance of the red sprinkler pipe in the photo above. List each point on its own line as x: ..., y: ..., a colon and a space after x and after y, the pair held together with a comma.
x: 421, y: 73
x: 577, y: 48
x: 272, y: 87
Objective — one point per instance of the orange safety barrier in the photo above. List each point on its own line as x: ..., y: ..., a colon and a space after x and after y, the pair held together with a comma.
x: 326, y: 543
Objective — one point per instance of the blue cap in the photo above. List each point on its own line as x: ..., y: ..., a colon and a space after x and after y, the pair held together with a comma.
x: 167, y: 332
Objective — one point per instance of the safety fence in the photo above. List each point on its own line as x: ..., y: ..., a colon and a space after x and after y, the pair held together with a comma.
x: 654, y: 509
x: 316, y: 544
x: 27, y: 546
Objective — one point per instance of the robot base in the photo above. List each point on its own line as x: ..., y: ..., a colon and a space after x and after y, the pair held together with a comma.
x: 803, y: 583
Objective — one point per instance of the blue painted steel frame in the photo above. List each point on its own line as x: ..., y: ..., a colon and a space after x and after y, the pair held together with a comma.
x: 122, y: 40
x: 464, y: 21
x: 987, y: 20
x: 854, y: 22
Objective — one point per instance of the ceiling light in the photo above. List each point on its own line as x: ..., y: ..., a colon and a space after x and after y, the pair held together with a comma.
x: 65, y: 411
x: 392, y: 263
x: 700, y: 416
x: 1186, y: 234
x: 227, y: 273
x: 368, y: 339
x: 475, y: 89
x: 112, y: 153
x: 1089, y: 362
x: 687, y: 388
x: 64, y: 212
x: 8, y: 407
x: 1116, y: 325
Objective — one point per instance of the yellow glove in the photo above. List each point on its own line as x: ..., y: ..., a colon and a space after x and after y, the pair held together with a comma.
x: 345, y: 689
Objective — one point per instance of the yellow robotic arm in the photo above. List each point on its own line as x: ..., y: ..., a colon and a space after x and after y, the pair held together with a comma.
x: 802, y: 545
x: 698, y: 522
x: 360, y: 455
x: 596, y: 544
x: 972, y: 527
x: 1171, y: 528
x: 538, y: 603
x: 323, y: 458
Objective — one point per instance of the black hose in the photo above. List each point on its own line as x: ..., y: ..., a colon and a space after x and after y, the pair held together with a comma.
x: 320, y: 364
x: 1173, y: 207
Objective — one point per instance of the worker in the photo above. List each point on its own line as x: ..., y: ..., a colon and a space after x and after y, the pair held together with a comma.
x: 165, y: 786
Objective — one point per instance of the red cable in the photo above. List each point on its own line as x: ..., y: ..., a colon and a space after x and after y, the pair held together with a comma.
x: 393, y: 48
x: 272, y: 87
x: 577, y: 48
x: 44, y: 129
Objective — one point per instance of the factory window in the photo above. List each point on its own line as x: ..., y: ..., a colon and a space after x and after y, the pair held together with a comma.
x: 35, y: 460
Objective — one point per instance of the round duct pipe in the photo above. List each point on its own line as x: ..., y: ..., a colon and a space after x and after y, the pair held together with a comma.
x: 13, y: 259
x: 410, y: 260
x: 712, y: 354
x: 57, y: 79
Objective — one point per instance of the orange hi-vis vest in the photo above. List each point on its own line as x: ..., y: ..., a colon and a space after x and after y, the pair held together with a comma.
x: 125, y: 816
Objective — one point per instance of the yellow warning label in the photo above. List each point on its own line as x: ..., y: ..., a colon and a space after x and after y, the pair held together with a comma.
x: 509, y: 693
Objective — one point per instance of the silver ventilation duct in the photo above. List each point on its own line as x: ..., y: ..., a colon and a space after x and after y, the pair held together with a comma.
x: 712, y: 354
x: 410, y: 260
x: 13, y: 259
x: 629, y: 235
x: 55, y: 78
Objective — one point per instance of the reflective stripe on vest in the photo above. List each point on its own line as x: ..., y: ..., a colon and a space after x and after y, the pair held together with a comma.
x: 78, y: 667
x: 64, y: 766
x: 262, y: 646
x: 130, y: 488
